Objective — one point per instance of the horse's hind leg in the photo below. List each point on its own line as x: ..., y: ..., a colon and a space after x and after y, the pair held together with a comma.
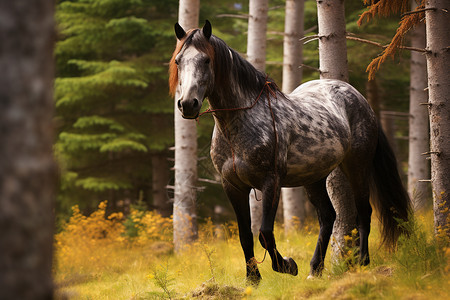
x: 318, y: 196
x: 271, y: 197
x: 358, y: 175
x: 239, y: 200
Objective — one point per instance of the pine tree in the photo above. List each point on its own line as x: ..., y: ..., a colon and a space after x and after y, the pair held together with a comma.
x: 110, y: 85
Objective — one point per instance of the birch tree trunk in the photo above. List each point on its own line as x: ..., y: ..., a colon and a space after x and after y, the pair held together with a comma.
x: 333, y: 65
x: 27, y: 169
x: 256, y: 55
x: 418, y: 165
x: 184, y: 206
x: 438, y: 66
x: 332, y: 41
x: 293, y: 198
x: 257, y: 28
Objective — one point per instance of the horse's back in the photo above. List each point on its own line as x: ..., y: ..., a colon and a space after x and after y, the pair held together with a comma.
x: 347, y: 101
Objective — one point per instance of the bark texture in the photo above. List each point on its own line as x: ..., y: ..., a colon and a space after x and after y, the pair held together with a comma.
x: 294, y: 199
x: 256, y: 39
x: 184, y: 206
x: 27, y: 168
x: 294, y: 208
x: 333, y: 65
x: 292, y: 47
x: 418, y: 165
x: 255, y: 199
x: 256, y: 55
x: 438, y: 66
x: 332, y: 41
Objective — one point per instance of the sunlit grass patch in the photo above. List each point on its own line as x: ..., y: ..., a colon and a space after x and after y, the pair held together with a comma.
x: 98, y: 258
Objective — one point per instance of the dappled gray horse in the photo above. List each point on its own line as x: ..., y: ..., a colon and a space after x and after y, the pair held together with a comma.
x: 265, y: 139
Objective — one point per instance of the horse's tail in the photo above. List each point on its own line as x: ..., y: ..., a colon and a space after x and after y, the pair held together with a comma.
x: 387, y: 192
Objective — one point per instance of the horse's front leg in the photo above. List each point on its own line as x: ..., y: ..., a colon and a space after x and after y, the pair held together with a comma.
x: 239, y: 200
x: 271, y: 198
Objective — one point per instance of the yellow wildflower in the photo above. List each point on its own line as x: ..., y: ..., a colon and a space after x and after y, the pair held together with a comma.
x: 248, y: 291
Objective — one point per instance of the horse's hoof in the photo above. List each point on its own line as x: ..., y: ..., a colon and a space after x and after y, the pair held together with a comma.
x: 291, y: 266
x: 253, y: 280
x: 311, y: 277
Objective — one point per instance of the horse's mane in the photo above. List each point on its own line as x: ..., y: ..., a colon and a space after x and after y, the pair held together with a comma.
x: 233, y: 74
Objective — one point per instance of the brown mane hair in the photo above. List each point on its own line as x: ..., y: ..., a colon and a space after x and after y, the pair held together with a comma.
x: 200, y: 43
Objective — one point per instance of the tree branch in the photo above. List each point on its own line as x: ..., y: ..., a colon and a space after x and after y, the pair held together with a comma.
x: 384, y: 46
x: 417, y: 11
x: 309, y: 67
x: 276, y: 33
x: 243, y: 16
x: 309, y: 38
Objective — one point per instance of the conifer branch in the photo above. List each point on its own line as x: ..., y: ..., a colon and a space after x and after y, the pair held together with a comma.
x: 417, y: 11
x: 384, y: 8
x: 384, y: 46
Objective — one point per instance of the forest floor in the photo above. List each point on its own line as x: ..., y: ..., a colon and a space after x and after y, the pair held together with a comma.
x: 132, y: 258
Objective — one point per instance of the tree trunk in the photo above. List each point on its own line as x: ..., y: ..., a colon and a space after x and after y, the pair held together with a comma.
x: 27, y: 168
x: 438, y: 65
x: 418, y: 165
x: 255, y: 199
x: 332, y: 41
x: 160, y: 179
x: 294, y: 199
x: 294, y: 208
x: 256, y: 55
x: 372, y: 96
x: 292, y: 47
x: 256, y: 39
x: 184, y: 206
x: 333, y: 65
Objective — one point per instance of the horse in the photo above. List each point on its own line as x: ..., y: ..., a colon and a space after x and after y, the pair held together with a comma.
x: 266, y: 139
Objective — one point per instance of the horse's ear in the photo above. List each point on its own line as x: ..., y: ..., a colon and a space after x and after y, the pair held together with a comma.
x: 179, y: 31
x: 207, y: 31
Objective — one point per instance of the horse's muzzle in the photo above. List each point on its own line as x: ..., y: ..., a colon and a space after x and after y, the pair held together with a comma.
x: 189, y: 108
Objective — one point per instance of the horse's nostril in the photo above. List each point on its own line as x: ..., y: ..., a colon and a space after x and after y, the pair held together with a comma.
x: 179, y: 104
x: 195, y: 102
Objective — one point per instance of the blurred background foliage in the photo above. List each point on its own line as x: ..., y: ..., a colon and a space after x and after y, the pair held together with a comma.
x: 113, y: 111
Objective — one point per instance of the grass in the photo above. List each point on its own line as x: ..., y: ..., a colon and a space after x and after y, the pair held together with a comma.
x: 97, y: 259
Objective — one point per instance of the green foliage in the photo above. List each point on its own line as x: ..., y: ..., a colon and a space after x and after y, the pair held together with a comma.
x: 420, y: 256
x: 111, y: 98
x: 111, y: 94
x: 163, y: 280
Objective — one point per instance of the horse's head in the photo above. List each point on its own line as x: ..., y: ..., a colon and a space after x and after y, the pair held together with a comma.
x: 191, y: 69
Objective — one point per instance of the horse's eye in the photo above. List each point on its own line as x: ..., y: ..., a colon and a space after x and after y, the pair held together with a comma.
x: 176, y: 62
x: 207, y: 61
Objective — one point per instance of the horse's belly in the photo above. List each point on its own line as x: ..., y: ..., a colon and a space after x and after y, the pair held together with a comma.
x: 310, y: 166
